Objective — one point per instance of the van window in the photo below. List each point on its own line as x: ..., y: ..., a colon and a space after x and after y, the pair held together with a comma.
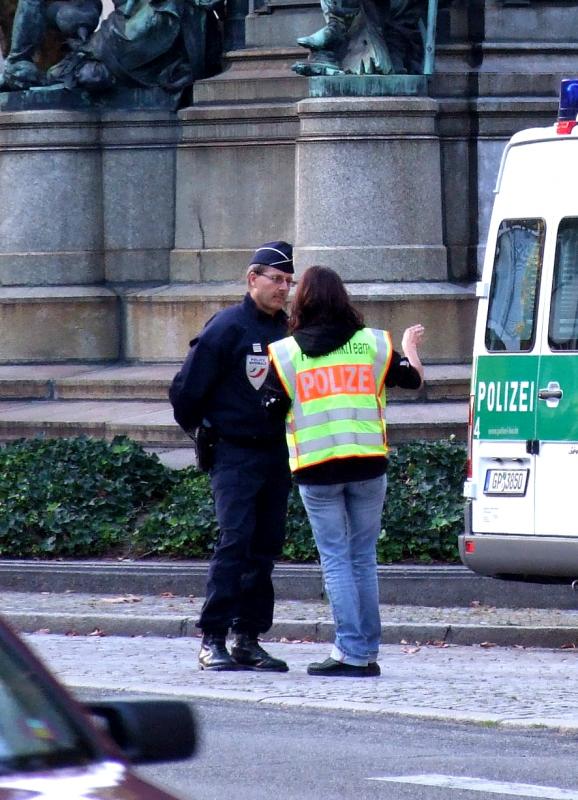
x: 563, y: 326
x: 511, y: 324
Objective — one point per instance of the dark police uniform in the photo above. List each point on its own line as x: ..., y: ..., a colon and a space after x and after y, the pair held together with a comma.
x: 222, y: 383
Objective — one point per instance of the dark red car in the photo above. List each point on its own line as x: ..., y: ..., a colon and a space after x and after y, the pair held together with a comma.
x: 52, y: 748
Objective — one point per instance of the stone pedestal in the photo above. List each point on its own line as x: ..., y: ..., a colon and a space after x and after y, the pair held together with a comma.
x: 86, y: 199
x: 138, y: 195
x: 368, y: 189
x: 235, y: 187
x: 51, y: 214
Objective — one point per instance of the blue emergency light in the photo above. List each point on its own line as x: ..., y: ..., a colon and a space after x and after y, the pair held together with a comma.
x: 568, y: 106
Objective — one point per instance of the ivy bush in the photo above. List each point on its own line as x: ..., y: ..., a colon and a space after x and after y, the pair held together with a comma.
x: 85, y: 497
x: 424, y: 511
x: 183, y: 524
x: 74, y: 497
x: 421, y: 520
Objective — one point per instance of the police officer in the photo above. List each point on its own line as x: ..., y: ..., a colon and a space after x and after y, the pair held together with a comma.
x: 221, y: 384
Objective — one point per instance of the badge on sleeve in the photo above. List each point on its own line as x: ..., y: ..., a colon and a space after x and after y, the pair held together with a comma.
x: 257, y: 368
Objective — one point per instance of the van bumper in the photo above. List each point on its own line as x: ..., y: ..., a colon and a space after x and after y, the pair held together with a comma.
x: 520, y: 557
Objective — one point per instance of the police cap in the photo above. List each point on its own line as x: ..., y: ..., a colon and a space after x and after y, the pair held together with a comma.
x: 275, y: 254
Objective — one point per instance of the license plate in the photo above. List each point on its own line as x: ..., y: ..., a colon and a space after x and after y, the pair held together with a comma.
x: 506, y: 481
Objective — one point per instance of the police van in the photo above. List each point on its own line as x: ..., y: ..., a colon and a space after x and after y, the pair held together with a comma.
x: 522, y: 481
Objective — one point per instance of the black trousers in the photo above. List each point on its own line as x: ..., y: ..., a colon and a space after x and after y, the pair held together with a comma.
x: 250, y: 486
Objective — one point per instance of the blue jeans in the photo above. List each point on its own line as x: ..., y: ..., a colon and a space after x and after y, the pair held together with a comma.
x: 346, y: 521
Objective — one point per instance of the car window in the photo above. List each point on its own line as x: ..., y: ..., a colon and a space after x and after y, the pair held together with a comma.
x: 35, y: 732
x: 511, y: 323
x: 563, y: 325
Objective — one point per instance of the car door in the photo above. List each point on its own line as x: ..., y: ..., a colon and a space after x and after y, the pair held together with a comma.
x: 506, y: 377
x: 557, y: 403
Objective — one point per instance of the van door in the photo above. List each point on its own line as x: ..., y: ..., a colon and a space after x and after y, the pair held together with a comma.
x: 505, y: 384
x: 557, y: 404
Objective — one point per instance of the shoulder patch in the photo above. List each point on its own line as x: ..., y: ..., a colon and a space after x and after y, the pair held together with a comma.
x: 257, y: 368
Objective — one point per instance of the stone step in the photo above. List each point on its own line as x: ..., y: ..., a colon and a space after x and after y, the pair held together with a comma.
x: 262, y: 73
x: 119, y: 382
x: 151, y: 422
x: 255, y: 75
x: 58, y: 323
x: 160, y: 322
x: 63, y: 324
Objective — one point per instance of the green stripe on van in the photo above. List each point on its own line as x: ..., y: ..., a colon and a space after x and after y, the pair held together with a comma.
x: 506, y: 402
x: 505, y: 397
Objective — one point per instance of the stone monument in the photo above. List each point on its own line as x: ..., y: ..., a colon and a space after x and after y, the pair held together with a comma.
x: 148, y: 44
x: 123, y: 224
x: 383, y: 37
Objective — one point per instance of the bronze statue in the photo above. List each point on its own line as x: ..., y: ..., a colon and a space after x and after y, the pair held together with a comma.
x: 380, y: 37
x: 142, y: 43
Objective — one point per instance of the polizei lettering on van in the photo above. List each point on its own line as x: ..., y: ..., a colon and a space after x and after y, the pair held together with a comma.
x: 506, y: 396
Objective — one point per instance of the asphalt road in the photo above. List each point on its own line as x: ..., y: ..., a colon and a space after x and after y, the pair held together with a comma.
x: 249, y: 752
x: 441, y: 723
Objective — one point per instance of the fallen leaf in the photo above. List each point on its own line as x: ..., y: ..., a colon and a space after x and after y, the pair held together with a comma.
x: 167, y: 594
x: 71, y: 633
x: 410, y: 651
x: 488, y: 644
x: 43, y: 630
x: 568, y: 646
x: 475, y: 604
x: 96, y: 632
x: 125, y: 598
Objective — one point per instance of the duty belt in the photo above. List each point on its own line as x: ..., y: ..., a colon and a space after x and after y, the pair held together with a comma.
x: 257, y: 442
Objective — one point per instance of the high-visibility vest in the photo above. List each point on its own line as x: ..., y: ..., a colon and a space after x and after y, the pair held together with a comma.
x: 338, y: 400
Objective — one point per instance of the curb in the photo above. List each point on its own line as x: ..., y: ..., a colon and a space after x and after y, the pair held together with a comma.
x: 435, y: 585
x: 176, y: 626
x: 560, y: 725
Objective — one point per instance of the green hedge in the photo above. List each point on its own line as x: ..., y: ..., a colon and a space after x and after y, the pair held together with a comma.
x: 74, y: 497
x: 86, y: 497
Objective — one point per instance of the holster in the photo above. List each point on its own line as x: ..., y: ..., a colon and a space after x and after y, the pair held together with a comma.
x: 205, y: 440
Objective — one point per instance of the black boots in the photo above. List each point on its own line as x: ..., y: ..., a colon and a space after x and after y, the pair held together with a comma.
x: 214, y: 654
x: 248, y: 654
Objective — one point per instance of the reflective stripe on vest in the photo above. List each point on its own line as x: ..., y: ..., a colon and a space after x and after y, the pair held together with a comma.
x: 338, y: 400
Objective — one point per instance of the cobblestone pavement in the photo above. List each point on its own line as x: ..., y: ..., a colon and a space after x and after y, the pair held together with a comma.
x: 491, y: 685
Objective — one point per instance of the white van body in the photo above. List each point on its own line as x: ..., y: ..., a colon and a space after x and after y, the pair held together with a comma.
x: 522, y: 486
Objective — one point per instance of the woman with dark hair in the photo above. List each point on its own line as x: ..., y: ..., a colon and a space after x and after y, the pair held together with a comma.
x: 330, y: 379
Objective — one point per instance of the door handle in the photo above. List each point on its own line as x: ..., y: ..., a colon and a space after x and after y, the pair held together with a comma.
x: 552, y: 392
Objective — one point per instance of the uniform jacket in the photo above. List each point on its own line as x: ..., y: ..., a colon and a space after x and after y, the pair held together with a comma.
x: 222, y: 379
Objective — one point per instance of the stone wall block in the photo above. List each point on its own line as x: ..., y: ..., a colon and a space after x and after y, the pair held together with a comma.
x: 234, y: 188
x: 55, y: 324
x: 139, y: 153
x: 368, y: 198
x: 51, y: 226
